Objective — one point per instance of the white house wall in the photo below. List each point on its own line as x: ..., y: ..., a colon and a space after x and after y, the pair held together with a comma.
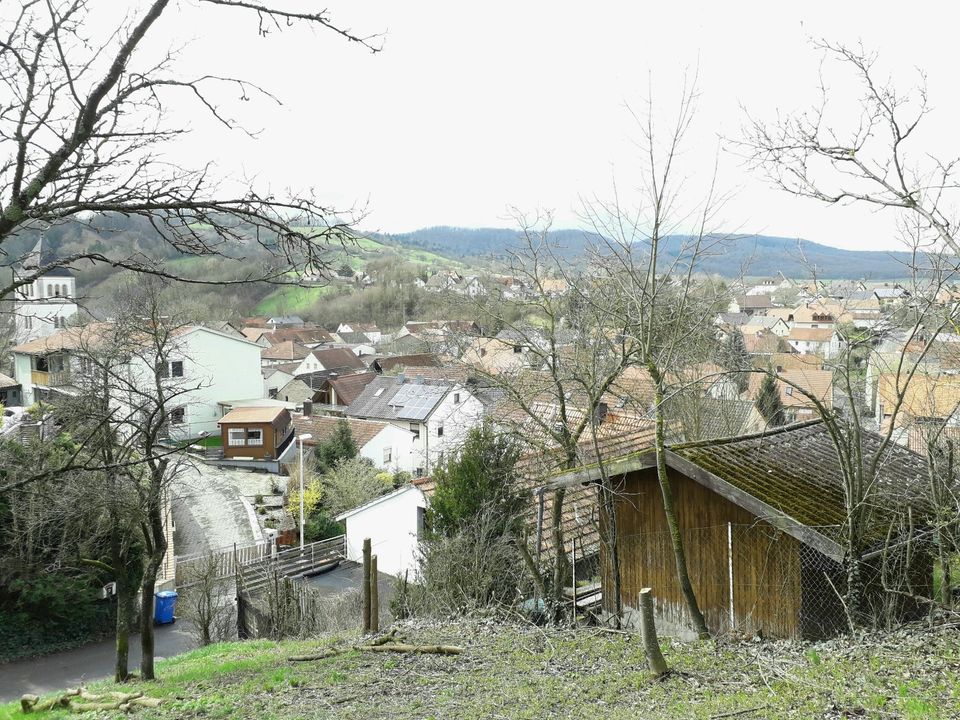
x: 391, y: 525
x: 401, y: 445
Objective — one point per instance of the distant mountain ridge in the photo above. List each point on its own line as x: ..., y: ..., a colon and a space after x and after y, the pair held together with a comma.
x: 751, y: 255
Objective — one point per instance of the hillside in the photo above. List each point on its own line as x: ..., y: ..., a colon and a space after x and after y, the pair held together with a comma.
x: 530, y: 672
x: 754, y: 255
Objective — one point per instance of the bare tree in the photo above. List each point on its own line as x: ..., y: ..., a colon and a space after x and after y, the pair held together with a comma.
x: 650, y: 254
x: 565, y: 353
x: 868, y: 162
x: 84, y: 123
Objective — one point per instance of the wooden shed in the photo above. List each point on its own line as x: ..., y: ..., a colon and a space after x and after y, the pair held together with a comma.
x: 761, y: 518
x: 260, y: 433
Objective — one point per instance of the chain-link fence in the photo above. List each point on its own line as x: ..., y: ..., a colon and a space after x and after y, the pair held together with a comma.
x: 756, y: 579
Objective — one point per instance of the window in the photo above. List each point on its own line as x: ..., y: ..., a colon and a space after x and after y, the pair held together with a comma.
x: 440, y: 430
x: 418, y: 472
x: 421, y: 520
x: 790, y: 390
x: 176, y: 368
x: 273, y: 392
x: 254, y: 437
x: 236, y: 437
x: 456, y: 398
x: 415, y: 429
x: 178, y: 416
x: 518, y: 348
x: 387, y: 455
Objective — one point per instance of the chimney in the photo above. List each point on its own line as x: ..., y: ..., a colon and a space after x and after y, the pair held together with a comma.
x: 601, y: 412
x: 419, y: 380
x: 307, y: 408
x: 400, y: 379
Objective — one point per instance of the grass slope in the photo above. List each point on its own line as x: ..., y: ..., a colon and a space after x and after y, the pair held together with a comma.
x: 526, y: 672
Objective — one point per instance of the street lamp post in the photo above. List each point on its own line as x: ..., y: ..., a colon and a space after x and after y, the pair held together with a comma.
x: 300, y: 439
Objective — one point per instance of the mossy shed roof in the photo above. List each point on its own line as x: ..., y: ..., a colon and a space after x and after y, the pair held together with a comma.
x: 789, y: 477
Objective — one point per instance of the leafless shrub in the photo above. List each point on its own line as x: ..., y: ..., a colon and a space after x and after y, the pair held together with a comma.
x: 206, y: 601
x: 478, y: 568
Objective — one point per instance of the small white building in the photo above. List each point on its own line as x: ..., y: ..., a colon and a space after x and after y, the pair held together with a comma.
x: 394, y: 523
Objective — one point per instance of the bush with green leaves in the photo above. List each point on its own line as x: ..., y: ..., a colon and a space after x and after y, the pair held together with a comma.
x: 339, y: 446
x: 481, y: 477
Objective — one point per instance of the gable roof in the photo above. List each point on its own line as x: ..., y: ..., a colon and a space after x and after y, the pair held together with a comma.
x: 337, y: 358
x: 413, y: 360
x: 349, y: 387
x: 754, y: 302
x: 287, y: 350
x: 302, y: 335
x: 394, y: 398
x: 819, y: 335
x: 817, y: 382
x: 322, y: 427
x: 789, y: 477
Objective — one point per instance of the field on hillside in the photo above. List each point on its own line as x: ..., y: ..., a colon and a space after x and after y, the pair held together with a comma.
x: 531, y: 672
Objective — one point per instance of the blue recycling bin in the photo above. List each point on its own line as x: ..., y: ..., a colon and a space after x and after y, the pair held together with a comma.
x: 164, y: 604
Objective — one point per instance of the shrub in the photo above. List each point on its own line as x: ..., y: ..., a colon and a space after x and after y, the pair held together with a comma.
x: 352, y: 483
x: 477, y: 567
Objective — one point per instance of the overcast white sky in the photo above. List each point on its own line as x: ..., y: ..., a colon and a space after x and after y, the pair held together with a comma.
x: 472, y: 108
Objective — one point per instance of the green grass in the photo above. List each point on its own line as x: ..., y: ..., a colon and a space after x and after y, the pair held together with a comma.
x: 525, y: 672
x: 291, y: 299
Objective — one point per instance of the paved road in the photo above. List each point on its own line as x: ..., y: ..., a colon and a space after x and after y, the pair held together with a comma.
x: 90, y: 662
x: 207, y: 508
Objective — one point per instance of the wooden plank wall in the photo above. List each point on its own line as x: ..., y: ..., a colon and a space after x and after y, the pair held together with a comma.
x: 765, y: 562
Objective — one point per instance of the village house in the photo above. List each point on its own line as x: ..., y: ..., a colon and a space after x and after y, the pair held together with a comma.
x: 330, y: 360
x: 791, y: 383
x: 493, y: 357
x: 369, y: 330
x: 825, y: 342
x: 386, y: 446
x: 255, y: 433
x: 284, y: 352
x: 208, y: 366
x: 439, y: 413
x: 285, y: 321
x: 762, y: 323
x: 750, y: 304
x: 45, y: 305
x: 761, y: 518
x: 338, y: 391
x: 274, y: 378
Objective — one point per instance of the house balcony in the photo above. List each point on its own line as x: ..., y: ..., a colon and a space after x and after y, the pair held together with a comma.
x: 50, y: 379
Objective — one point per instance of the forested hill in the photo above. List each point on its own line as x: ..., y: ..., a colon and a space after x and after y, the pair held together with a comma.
x: 743, y: 254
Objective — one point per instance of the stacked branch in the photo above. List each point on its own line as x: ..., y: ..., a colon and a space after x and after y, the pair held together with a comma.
x: 385, y: 643
x: 71, y: 700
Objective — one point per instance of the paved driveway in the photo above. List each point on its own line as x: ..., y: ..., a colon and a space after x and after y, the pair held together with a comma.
x: 90, y: 662
x: 207, y: 508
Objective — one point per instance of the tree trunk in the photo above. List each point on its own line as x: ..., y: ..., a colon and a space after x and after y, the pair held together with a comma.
x: 612, y: 541
x: 157, y: 543
x: 676, y: 538
x: 648, y: 634
x: 561, y: 565
x: 125, y: 621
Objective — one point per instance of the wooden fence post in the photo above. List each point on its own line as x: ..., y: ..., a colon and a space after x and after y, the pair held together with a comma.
x: 648, y: 634
x: 374, y: 596
x: 366, y: 586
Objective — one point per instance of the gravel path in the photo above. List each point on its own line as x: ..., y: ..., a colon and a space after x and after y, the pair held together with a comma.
x: 207, y: 507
